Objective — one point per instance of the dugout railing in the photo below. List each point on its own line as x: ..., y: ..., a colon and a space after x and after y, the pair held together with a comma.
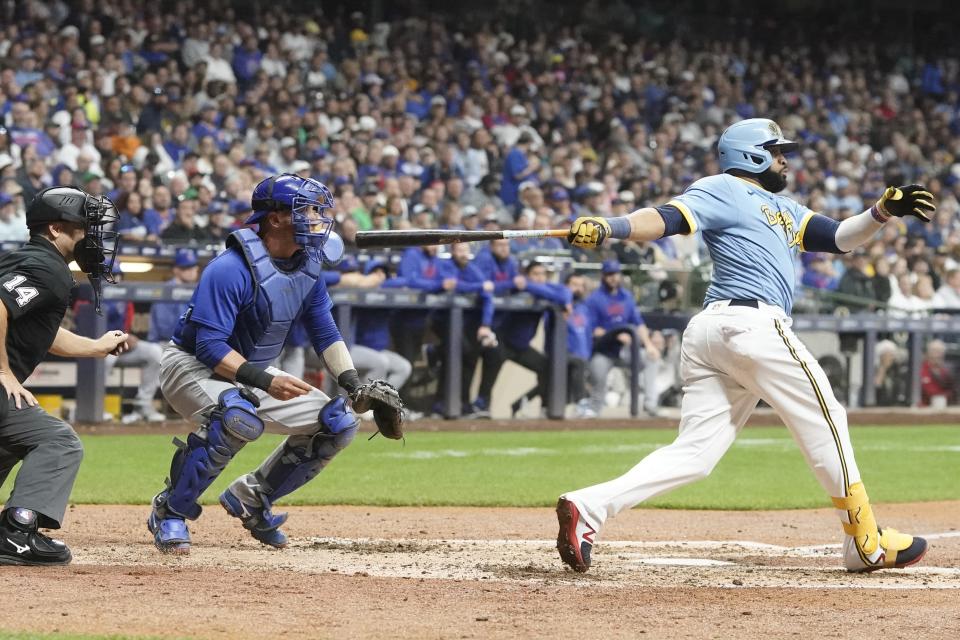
x: 869, y: 327
x: 91, y: 372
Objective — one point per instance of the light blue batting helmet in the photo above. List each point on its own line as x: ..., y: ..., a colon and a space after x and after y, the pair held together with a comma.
x: 746, y: 145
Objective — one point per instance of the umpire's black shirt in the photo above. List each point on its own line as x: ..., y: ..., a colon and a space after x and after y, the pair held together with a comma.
x: 35, y: 284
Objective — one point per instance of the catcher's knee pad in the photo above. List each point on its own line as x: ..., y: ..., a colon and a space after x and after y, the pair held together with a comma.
x: 303, y: 459
x: 873, y: 545
x: 197, y: 463
x: 335, y: 418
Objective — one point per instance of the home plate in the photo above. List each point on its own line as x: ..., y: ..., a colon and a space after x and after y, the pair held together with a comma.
x: 683, y: 562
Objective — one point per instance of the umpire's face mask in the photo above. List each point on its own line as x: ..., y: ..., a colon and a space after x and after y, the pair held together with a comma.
x: 96, y: 251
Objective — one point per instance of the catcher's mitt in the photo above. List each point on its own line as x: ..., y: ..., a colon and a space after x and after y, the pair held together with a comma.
x: 387, y: 406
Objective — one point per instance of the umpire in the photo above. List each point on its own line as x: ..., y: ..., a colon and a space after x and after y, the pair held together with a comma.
x: 35, y: 285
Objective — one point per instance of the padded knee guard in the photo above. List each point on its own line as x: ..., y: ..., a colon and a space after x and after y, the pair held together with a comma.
x: 197, y: 463
x: 300, y: 464
x: 876, y: 547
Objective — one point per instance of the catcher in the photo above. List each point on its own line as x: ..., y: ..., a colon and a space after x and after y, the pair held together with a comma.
x: 215, y: 371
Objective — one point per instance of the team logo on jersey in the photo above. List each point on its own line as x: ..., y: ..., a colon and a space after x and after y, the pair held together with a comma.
x: 784, y: 220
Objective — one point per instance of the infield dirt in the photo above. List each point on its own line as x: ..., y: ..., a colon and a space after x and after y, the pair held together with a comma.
x: 361, y: 572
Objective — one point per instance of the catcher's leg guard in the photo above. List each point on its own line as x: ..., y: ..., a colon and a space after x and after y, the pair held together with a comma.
x: 300, y: 459
x: 300, y: 464
x: 198, y: 462
x: 868, y: 547
x: 260, y: 521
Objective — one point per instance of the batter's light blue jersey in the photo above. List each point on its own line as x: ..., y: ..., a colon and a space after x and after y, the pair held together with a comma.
x: 753, y: 237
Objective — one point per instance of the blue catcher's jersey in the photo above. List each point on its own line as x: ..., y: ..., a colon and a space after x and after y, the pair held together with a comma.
x: 245, y: 298
x: 753, y: 237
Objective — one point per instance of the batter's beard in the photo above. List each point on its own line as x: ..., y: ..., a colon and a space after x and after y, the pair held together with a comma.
x: 772, y: 181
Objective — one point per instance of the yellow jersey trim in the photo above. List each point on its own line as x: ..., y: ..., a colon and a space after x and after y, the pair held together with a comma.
x: 803, y: 227
x: 687, y: 214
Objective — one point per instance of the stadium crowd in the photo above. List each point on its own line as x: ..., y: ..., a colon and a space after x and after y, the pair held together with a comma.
x: 413, y: 122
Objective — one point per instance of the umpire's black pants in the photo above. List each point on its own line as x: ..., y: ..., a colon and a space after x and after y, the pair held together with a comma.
x: 51, y: 453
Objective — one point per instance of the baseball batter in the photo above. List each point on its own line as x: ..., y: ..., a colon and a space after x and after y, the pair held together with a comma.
x: 216, y: 371
x: 740, y: 348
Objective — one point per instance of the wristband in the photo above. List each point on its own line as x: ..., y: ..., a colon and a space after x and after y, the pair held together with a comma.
x: 349, y: 380
x: 879, y: 215
x: 253, y: 376
x: 619, y: 227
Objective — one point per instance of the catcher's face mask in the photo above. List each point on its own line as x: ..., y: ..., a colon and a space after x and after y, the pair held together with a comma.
x: 96, y: 252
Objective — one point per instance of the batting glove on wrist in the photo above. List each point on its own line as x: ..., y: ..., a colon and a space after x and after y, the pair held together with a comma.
x: 588, y: 232
x: 910, y: 200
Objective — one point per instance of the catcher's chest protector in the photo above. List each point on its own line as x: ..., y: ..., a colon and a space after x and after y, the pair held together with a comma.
x: 262, y: 327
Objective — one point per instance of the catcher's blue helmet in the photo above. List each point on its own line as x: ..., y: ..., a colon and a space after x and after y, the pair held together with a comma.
x: 308, y: 202
x: 746, y: 145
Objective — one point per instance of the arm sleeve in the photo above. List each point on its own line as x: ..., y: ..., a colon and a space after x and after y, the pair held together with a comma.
x: 856, y: 230
x: 26, y: 288
x: 819, y: 234
x: 674, y: 221
x: 319, y: 319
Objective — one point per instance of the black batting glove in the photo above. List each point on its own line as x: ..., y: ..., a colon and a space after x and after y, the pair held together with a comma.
x: 910, y: 200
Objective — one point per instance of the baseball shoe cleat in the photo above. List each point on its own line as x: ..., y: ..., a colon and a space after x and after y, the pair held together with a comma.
x: 170, y: 535
x: 262, y: 524
x: 897, y: 550
x: 21, y: 543
x: 575, y: 538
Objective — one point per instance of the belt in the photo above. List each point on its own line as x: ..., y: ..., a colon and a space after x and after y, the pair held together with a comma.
x: 744, y: 303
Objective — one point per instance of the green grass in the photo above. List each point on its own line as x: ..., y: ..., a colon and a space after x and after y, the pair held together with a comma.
x: 763, y: 470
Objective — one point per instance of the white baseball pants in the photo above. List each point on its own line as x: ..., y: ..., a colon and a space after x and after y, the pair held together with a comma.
x: 731, y: 357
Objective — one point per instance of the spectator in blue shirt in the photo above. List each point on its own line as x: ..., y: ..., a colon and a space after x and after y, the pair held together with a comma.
x: 612, y: 307
x: 498, y: 266
x: 458, y: 274
x: 246, y: 61
x: 371, y: 344
x: 418, y: 267
x: 579, y: 345
x: 178, y: 145
x: 164, y: 315
x: 522, y: 326
x: 520, y: 165
x: 137, y: 225
x: 819, y: 273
